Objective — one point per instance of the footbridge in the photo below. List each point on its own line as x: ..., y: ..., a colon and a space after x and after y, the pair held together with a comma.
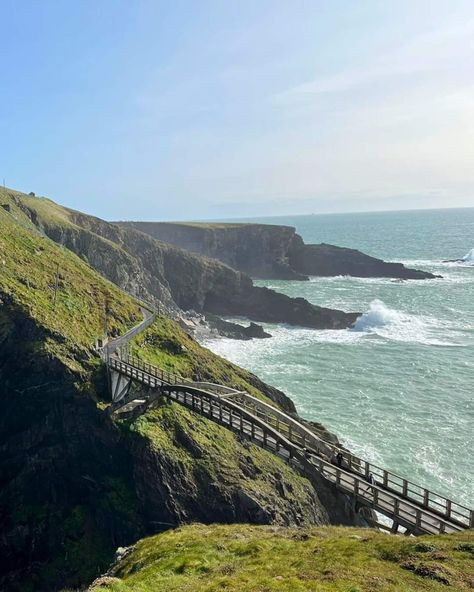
x: 406, y: 504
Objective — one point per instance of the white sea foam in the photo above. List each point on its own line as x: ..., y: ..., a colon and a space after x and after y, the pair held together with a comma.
x: 436, y: 265
x: 469, y: 258
x: 396, y: 325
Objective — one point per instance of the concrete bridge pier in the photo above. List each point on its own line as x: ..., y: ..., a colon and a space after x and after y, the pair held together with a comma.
x: 119, y: 385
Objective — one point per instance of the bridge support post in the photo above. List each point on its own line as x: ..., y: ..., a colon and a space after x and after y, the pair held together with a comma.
x: 119, y: 386
x: 394, y: 528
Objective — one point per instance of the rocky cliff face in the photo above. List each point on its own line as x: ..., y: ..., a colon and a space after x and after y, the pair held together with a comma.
x: 170, y: 277
x: 74, y: 486
x: 270, y: 251
x: 260, y: 250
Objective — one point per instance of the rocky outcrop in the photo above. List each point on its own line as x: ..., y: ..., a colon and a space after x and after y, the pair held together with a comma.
x: 234, y: 330
x: 265, y: 305
x: 270, y: 251
x: 178, y: 479
x: 329, y: 260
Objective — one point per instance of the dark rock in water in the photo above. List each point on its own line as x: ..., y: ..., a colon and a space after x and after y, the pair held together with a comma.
x: 256, y: 331
x: 234, y: 330
x: 265, y: 305
x: 272, y: 252
x: 329, y: 260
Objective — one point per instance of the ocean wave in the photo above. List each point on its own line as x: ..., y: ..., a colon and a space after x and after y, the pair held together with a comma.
x: 378, y: 323
x: 352, y: 278
x: 395, y: 325
x: 468, y: 258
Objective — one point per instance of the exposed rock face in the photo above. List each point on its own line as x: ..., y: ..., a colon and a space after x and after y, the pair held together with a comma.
x: 234, y: 330
x: 270, y: 251
x: 65, y: 476
x: 178, y: 480
x: 265, y: 305
x: 173, y: 278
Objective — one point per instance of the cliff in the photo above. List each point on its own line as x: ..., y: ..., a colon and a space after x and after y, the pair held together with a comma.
x: 260, y: 250
x: 75, y: 484
x: 169, y: 277
x: 269, y: 251
x: 243, y: 559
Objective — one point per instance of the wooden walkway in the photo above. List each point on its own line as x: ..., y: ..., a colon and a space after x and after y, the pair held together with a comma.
x: 406, y: 504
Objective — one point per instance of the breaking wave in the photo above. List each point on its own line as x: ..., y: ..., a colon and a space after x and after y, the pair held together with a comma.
x: 395, y: 325
x: 468, y: 258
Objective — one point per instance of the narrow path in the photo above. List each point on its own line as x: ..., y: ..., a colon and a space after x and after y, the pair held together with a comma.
x: 114, y: 344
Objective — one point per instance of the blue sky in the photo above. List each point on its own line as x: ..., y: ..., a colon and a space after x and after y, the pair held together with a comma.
x: 213, y: 109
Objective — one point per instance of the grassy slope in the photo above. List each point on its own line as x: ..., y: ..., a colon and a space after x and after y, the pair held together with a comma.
x: 214, y: 451
x: 263, y: 559
x: 166, y: 345
x: 66, y: 329
x: 29, y: 264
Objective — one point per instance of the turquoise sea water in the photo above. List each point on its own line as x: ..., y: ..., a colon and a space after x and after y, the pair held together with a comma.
x: 399, y: 388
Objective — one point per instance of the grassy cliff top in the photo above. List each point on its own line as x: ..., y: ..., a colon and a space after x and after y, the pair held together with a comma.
x: 54, y: 287
x: 212, y: 225
x: 241, y: 558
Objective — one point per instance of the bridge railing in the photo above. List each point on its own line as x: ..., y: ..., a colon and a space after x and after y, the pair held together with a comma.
x: 412, y: 517
x: 138, y: 364
x: 390, y: 481
x: 230, y: 413
x: 213, y: 387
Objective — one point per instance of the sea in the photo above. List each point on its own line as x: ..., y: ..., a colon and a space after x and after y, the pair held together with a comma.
x: 398, y: 388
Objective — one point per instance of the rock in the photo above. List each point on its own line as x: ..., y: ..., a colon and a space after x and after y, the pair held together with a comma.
x: 234, y: 330
x: 256, y: 331
x: 329, y: 260
x: 260, y: 250
x: 103, y: 582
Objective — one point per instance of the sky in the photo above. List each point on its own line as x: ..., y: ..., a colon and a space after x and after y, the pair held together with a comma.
x: 208, y: 109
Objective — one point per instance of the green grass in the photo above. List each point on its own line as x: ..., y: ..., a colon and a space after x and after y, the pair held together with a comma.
x: 197, y: 447
x: 166, y: 345
x: 242, y: 558
x: 211, y: 225
x: 224, y: 225
x: 64, y: 296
